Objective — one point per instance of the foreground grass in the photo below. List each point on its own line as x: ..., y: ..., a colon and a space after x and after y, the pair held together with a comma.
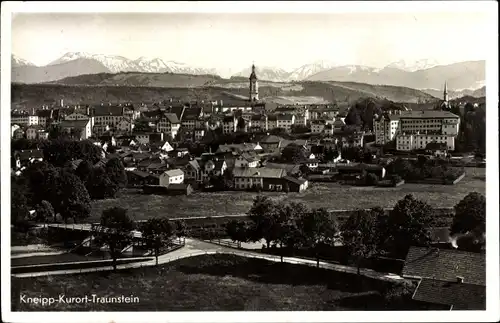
x: 213, y: 283
x: 328, y: 195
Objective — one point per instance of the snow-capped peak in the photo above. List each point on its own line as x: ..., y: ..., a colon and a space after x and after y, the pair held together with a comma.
x: 18, y: 61
x: 414, y: 66
x: 307, y: 70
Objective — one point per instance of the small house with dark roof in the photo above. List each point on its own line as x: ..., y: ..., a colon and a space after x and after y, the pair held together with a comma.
x: 267, y: 179
x: 448, y: 279
x: 293, y: 184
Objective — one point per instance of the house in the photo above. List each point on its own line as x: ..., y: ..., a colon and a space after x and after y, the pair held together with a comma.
x: 136, y: 178
x: 181, y: 152
x: 317, y: 126
x: 267, y: 179
x: 165, y: 147
x: 449, y: 279
x: 79, y: 128
x: 108, y: 115
x: 173, y: 176
x: 18, y: 133
x: 101, y: 129
x: 199, y: 133
x: 285, y: 121
x: 213, y: 167
x: 32, y: 132
x: 192, y: 171
x: 293, y: 184
x: 13, y: 129
x: 229, y: 124
x: 270, y: 143
x: 168, y: 124
x: 311, y: 162
x: 125, y: 125
x: 247, y: 159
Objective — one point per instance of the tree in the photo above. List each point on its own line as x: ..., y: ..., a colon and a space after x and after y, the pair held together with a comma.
x: 353, y: 117
x: 44, y: 211
x: 238, y: 231
x: 293, y: 153
x: 18, y: 204
x: 157, y: 233
x: 84, y: 170
x: 318, y: 229
x: 99, y: 185
x: 180, y: 229
x: 408, y: 225
x: 116, y: 172
x: 265, y: 215
x: 71, y: 200
x: 114, y: 231
x: 470, y: 215
x: 360, y: 235
x: 241, y: 124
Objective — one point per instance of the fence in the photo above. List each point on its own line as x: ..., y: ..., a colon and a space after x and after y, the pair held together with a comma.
x: 311, y: 263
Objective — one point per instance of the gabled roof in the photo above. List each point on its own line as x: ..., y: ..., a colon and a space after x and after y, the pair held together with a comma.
x: 271, y: 139
x: 171, y: 117
x: 194, y: 164
x: 289, y: 168
x: 107, y: 110
x: 446, y: 265
x: 174, y: 172
x: 298, y: 181
x: 139, y: 173
x: 261, y: 172
x: 459, y: 295
x: 153, y: 114
x: 249, y: 157
x: 287, y: 117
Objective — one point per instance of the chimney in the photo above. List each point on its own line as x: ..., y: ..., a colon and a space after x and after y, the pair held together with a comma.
x: 460, y: 279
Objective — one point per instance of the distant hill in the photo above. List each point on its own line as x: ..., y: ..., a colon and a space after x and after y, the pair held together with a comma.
x: 35, y: 74
x: 136, y: 87
x: 458, y: 94
x: 463, y: 75
x: 140, y: 79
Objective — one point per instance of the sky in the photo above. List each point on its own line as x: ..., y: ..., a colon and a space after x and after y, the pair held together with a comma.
x: 231, y: 42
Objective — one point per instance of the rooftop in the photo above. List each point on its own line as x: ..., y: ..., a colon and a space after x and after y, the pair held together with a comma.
x: 261, y: 172
x: 446, y: 265
x: 174, y: 172
x: 74, y: 123
x: 459, y: 295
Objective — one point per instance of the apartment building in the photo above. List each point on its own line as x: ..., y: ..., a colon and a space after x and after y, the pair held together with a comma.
x: 24, y: 119
x: 415, y: 129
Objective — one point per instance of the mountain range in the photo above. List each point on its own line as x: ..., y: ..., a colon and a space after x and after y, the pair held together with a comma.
x: 423, y: 74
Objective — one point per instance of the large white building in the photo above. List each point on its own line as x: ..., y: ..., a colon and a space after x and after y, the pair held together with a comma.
x: 415, y: 129
x: 24, y: 119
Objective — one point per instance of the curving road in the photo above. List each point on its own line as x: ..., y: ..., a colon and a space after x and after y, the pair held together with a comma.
x: 196, y: 247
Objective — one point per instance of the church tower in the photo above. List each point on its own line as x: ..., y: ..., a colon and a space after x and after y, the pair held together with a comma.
x: 445, y: 93
x: 254, y: 88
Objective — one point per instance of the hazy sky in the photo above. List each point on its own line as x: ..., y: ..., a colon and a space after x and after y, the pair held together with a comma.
x: 234, y: 41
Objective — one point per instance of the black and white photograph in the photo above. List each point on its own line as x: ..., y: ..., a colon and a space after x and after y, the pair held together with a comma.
x: 249, y: 161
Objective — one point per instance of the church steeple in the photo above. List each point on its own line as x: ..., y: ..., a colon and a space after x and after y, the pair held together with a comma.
x: 445, y: 92
x: 254, y: 88
x: 253, y: 76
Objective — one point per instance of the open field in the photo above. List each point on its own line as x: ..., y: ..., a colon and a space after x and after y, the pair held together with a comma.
x: 329, y: 195
x: 212, y: 283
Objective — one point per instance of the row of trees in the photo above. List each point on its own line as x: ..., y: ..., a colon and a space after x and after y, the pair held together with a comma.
x: 364, y: 234
x: 423, y: 168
